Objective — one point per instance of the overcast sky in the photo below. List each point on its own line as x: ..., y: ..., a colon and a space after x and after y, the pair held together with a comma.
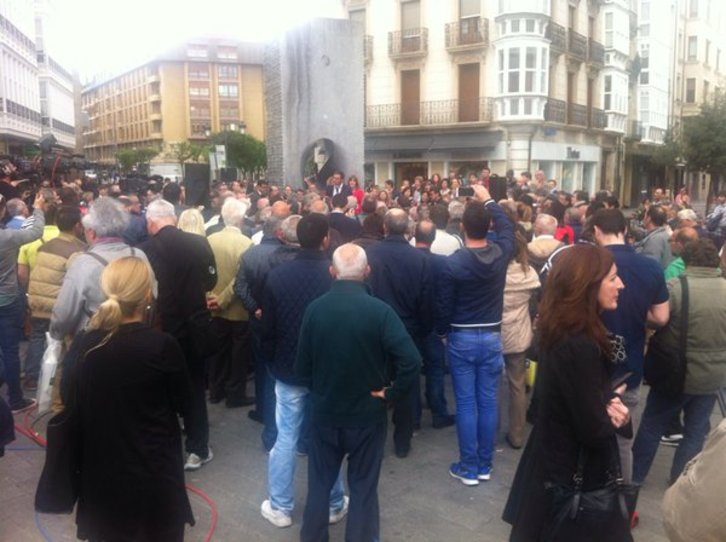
x: 103, y: 37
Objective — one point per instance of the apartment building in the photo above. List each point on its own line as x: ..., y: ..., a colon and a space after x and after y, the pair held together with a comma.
x: 55, y: 83
x: 201, y: 87
x: 460, y: 84
x: 20, y: 122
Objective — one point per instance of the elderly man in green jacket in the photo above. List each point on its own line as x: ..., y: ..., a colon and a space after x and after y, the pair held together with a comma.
x: 705, y: 362
x: 350, y: 344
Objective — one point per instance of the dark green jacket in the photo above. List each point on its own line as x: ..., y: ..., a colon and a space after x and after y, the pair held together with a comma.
x: 706, y: 342
x: 350, y: 344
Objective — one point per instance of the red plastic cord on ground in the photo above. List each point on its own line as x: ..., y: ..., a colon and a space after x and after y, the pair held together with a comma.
x: 33, y: 435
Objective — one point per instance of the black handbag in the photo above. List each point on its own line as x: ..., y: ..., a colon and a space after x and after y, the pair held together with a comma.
x: 664, y: 368
x: 603, y: 513
x: 59, y: 482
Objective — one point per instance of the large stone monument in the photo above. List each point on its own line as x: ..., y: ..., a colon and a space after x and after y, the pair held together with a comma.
x: 314, y: 98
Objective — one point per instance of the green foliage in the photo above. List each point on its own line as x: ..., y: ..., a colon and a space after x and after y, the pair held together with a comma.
x: 244, y: 151
x: 128, y: 158
x: 670, y: 152
x: 704, y: 138
x: 188, y: 151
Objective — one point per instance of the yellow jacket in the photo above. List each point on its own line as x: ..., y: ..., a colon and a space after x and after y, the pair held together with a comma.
x: 228, y: 246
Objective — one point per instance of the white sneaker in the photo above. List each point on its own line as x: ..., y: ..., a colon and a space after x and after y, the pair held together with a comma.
x: 277, y: 517
x: 194, y: 462
x: 337, y: 515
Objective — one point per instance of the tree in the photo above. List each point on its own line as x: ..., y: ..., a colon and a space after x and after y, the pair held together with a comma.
x: 670, y: 152
x: 244, y: 151
x: 187, y: 151
x: 704, y: 139
x: 128, y: 158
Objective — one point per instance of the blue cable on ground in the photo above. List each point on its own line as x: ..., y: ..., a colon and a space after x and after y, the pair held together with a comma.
x: 42, y: 529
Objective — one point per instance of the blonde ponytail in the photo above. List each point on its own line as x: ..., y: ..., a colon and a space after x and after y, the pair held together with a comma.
x: 127, y: 283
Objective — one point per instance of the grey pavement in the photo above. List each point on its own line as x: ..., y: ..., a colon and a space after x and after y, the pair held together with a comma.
x: 418, y: 499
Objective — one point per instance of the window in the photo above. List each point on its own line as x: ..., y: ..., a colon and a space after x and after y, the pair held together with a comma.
x: 529, y: 25
x: 530, y: 69
x: 358, y: 16
x: 608, y: 90
x: 708, y: 51
x: 196, y: 90
x: 228, y: 91
x: 644, y: 78
x: 644, y: 30
x: 513, y: 80
x: 227, y: 71
x: 644, y: 65
x: 692, y: 47
x: 469, y: 8
x: 227, y: 53
x: 718, y: 60
x: 199, y: 111
x: 229, y: 112
x: 410, y: 15
x: 706, y: 86
x: 515, y: 25
x: 690, y: 90
x: 693, y: 8
x: 609, y: 29
x: 197, y: 51
x: 644, y: 10
x: 198, y: 71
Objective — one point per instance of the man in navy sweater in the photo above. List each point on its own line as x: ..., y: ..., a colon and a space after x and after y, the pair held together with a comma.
x: 289, y: 289
x: 470, y: 295
x: 401, y: 276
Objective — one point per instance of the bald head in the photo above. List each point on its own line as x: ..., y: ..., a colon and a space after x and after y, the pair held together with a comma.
x: 349, y: 263
x: 319, y: 207
x: 425, y: 233
x: 395, y: 222
x: 281, y: 209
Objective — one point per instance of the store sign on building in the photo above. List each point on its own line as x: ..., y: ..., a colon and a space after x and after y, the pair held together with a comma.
x: 572, y: 153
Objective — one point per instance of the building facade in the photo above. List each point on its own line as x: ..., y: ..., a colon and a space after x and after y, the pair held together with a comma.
x: 55, y: 83
x: 19, y: 90
x: 510, y: 84
x: 204, y: 86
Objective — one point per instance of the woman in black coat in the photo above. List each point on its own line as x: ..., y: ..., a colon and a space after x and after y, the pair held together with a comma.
x: 130, y: 382
x: 578, y: 409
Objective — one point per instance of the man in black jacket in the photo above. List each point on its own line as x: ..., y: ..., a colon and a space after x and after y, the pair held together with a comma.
x: 349, y: 228
x: 401, y: 276
x: 289, y: 289
x: 185, y: 270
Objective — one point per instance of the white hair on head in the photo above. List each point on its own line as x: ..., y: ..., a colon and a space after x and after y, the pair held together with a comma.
x: 107, y: 217
x: 160, y: 208
x: 234, y: 211
x: 545, y: 224
x: 349, y: 262
x: 687, y: 214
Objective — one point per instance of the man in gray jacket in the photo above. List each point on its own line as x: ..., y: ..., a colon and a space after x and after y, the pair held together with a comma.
x: 656, y: 243
x: 11, y: 301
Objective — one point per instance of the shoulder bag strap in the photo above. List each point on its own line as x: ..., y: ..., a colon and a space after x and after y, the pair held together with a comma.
x: 684, y: 315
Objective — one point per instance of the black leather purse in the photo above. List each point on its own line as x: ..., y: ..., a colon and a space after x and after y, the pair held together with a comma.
x: 665, y: 369
x: 600, y: 514
x: 59, y: 482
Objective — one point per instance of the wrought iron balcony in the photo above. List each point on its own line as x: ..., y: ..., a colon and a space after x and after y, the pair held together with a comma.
x: 595, y: 53
x: 408, y: 43
x: 367, y: 49
x: 557, y: 34
x: 576, y: 114
x: 598, y: 119
x: 555, y: 110
x: 431, y: 113
x: 576, y: 45
x: 467, y: 34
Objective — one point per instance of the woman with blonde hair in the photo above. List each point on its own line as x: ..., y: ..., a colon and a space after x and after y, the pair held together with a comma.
x: 192, y: 221
x: 128, y: 383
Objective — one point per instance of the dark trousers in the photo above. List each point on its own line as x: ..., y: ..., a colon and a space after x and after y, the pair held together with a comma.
x: 228, y: 368
x: 11, y: 331
x: 328, y: 446
x: 264, y: 389
x: 36, y: 348
x: 196, y: 422
x: 407, y: 408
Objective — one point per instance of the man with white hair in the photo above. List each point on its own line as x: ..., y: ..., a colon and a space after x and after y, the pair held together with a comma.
x: 348, y: 400
x: 228, y: 368
x: 81, y: 294
x: 185, y: 268
x: 543, y: 243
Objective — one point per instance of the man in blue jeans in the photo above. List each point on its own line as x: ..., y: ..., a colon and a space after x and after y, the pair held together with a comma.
x: 468, y: 317
x: 289, y: 289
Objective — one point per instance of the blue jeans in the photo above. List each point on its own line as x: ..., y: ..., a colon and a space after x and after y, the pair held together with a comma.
x: 11, y: 331
x: 659, y: 410
x: 289, y: 415
x: 434, y: 369
x: 476, y: 361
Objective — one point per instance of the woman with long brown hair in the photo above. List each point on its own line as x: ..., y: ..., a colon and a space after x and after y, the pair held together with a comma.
x: 578, y: 411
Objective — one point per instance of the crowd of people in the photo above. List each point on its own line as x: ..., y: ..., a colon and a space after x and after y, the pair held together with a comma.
x: 335, y: 300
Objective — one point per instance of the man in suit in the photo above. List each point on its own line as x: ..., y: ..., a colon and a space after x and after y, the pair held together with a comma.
x: 349, y: 228
x: 338, y: 187
x: 185, y: 267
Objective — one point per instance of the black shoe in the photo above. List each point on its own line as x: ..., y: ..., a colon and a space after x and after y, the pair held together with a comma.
x: 214, y: 399
x: 255, y: 416
x: 441, y: 422
x: 402, y: 451
x: 23, y: 405
x: 236, y: 403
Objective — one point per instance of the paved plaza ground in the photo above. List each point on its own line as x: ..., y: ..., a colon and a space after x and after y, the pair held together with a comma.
x: 419, y: 500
